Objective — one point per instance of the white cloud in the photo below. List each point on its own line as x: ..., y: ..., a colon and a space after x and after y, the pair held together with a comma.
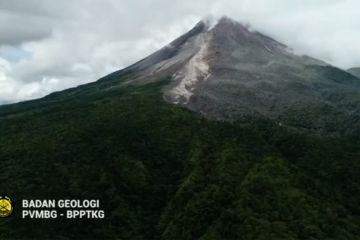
x: 61, y: 45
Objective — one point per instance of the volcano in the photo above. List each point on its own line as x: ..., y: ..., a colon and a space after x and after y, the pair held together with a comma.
x: 224, y: 133
x: 226, y: 71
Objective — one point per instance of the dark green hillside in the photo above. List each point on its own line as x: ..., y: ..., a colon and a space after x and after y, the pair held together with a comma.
x: 163, y: 172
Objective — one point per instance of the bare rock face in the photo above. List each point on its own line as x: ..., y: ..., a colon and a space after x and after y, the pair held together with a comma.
x: 226, y: 71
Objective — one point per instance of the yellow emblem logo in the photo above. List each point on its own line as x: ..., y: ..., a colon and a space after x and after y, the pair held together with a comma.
x: 6, y: 207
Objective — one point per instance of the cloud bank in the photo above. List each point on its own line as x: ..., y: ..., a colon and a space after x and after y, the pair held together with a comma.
x: 47, y: 46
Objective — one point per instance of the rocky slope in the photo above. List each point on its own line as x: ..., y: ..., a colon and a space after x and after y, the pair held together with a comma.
x: 226, y: 71
x: 355, y: 71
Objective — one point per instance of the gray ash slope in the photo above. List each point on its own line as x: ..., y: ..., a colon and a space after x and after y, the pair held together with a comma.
x: 355, y: 71
x: 226, y: 71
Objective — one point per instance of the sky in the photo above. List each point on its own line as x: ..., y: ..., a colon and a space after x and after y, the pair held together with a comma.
x: 47, y: 46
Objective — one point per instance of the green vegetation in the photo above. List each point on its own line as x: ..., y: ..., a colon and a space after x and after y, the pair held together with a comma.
x: 163, y: 172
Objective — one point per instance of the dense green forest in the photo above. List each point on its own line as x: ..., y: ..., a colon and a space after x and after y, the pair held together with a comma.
x: 164, y: 172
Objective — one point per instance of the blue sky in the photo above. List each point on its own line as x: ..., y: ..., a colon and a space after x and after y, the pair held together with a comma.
x: 14, y: 54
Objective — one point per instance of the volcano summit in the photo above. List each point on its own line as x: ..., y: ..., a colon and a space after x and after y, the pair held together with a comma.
x: 226, y: 71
